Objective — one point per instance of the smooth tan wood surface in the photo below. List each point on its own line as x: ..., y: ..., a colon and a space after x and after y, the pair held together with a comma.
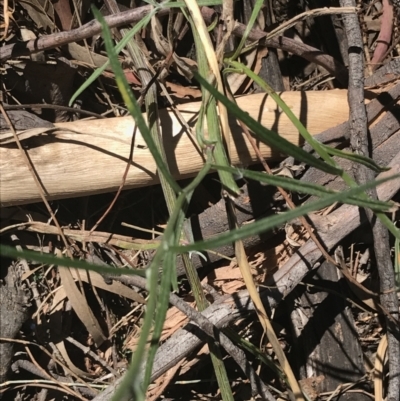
x: 92, y: 158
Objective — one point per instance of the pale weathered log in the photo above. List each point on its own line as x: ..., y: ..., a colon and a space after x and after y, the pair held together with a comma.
x: 92, y: 159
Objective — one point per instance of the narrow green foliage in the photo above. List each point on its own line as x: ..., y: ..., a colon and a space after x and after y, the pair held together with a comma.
x: 209, y: 110
x: 171, y: 238
x: 286, y: 109
x: 318, y: 147
x: 133, y: 384
x: 138, y: 26
x: 11, y: 252
x: 131, y: 102
x: 249, y: 26
x: 267, y: 136
x: 366, y: 161
x: 248, y: 346
x: 294, y: 185
x: 161, y: 281
x: 268, y: 223
x: 141, y: 24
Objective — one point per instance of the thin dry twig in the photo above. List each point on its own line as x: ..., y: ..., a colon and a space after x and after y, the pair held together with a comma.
x: 44, y: 374
x: 316, y: 12
x: 52, y: 357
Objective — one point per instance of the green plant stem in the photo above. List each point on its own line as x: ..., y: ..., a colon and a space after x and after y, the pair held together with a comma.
x: 294, y: 185
x: 219, y: 155
x: 170, y: 197
x: 249, y: 26
x: 133, y: 384
x: 170, y: 238
x: 151, y: 105
x: 210, y: 109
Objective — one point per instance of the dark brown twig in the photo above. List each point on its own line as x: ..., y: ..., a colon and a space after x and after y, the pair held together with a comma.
x: 388, y: 73
x: 58, y: 380
x: 121, y: 186
x: 258, y: 386
x: 88, y: 351
x: 359, y: 141
x: 51, y: 106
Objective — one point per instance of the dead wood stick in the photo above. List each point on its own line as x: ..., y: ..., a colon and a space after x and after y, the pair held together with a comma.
x: 360, y: 143
x: 89, y: 156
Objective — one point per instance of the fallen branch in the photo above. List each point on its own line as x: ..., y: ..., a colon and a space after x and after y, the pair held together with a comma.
x: 361, y: 143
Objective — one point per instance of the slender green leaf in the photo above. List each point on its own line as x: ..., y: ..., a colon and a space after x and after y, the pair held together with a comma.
x: 294, y: 185
x: 132, y: 384
x: 209, y: 107
x: 131, y: 102
x: 286, y: 109
x: 249, y: 26
x: 366, y: 161
x: 136, y: 382
x: 317, y: 146
x: 138, y: 26
x: 11, y: 252
x: 267, y: 136
x: 268, y: 223
x: 141, y: 24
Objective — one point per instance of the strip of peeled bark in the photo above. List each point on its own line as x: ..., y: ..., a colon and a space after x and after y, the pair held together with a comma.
x: 89, y: 157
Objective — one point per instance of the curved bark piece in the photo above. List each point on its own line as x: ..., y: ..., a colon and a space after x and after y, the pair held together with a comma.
x: 88, y: 157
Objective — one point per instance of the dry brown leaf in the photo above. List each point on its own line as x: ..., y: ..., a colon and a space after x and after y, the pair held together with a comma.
x: 156, y: 389
x: 183, y: 92
x: 175, y: 319
x: 80, y: 305
x: 115, y: 287
x: 230, y: 272
x: 253, y: 61
x: 42, y: 17
x: 380, y: 361
x: 64, y: 13
x: 61, y: 347
x: 81, y: 53
x: 231, y: 287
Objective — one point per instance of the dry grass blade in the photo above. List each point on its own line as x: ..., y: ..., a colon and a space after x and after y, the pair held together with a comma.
x: 80, y: 305
x: 311, y: 13
x: 380, y: 361
x: 214, y: 66
x: 262, y: 314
